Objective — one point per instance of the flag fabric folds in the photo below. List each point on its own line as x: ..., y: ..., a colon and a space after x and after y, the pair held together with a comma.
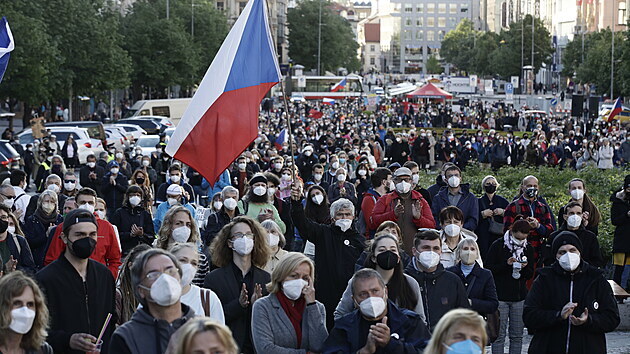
x: 338, y: 86
x: 616, y: 109
x: 329, y: 101
x: 222, y: 118
x: 281, y: 139
x: 6, y: 45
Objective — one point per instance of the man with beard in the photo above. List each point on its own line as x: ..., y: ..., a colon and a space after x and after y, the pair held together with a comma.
x: 404, y: 206
x: 256, y: 203
x: 381, y: 181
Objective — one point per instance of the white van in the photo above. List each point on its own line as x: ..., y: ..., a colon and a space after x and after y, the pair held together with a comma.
x: 171, y: 108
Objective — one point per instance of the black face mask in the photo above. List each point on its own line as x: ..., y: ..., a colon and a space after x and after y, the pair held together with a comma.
x: 83, y: 248
x: 4, y: 224
x: 531, y: 192
x: 490, y: 188
x: 387, y: 260
x: 140, y: 181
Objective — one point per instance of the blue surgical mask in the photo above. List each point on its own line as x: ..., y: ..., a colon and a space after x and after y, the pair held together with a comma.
x: 464, y: 347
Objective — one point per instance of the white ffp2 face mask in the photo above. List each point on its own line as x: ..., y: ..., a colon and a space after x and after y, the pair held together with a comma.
x: 403, y: 187
x: 272, y: 239
x: 166, y: 290
x: 454, y: 181
x: 318, y: 199
x: 22, y: 320
x: 135, y: 200
x: 243, y: 245
x: 230, y: 203
x: 372, y: 307
x: 452, y: 230
x: 569, y: 261
x: 574, y: 221
x: 188, y: 273
x: 577, y: 194
x: 293, y: 288
x: 181, y: 234
x: 260, y: 191
x: 344, y: 224
x: 429, y: 259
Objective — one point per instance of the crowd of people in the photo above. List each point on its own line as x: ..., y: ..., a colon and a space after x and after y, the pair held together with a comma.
x: 328, y: 244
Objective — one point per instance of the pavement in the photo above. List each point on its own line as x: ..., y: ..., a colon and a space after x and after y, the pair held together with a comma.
x: 617, y: 343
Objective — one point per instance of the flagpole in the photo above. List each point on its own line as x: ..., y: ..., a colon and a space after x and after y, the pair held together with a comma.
x: 284, y: 96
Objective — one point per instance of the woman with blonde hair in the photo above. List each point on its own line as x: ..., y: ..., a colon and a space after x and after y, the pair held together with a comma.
x: 459, y: 331
x: 202, y: 335
x: 291, y: 300
x: 240, y: 250
x: 276, y: 241
x: 204, y: 302
x: 23, y: 316
x: 179, y: 225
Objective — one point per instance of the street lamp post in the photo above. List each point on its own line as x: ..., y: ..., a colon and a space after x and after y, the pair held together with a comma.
x: 168, y: 9
x: 319, y: 39
x: 612, y: 51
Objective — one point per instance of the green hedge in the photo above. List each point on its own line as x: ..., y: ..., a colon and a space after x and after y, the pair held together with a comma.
x: 553, y: 187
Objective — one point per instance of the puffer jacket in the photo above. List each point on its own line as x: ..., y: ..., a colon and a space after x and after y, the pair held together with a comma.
x: 554, y: 288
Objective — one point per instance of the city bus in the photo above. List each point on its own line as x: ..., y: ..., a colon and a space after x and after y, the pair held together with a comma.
x: 319, y: 87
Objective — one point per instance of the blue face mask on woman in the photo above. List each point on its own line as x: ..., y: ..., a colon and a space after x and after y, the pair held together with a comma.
x: 464, y: 347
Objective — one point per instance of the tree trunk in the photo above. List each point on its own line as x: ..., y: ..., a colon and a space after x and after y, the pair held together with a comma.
x: 70, y: 106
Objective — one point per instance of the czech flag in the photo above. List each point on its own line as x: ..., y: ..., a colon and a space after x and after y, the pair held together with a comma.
x: 313, y: 113
x: 281, y: 139
x: 222, y: 118
x: 617, y: 108
x: 6, y: 45
x: 329, y: 101
x: 338, y: 86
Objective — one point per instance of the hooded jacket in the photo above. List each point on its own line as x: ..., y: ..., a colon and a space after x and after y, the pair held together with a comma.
x: 441, y: 292
x: 435, y: 188
x: 554, y: 288
x: 467, y: 204
x: 146, y: 334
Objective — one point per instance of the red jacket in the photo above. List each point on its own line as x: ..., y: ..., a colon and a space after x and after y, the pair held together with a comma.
x: 384, y: 210
x: 107, y: 249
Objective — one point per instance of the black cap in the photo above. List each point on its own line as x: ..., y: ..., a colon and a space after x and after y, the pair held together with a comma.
x: 259, y: 177
x: 566, y: 238
x: 76, y: 216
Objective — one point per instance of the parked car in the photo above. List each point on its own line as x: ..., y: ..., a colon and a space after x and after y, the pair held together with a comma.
x: 133, y: 131
x: 116, y: 139
x: 95, y: 130
x: 148, y: 125
x: 9, y: 157
x: 80, y: 135
x: 164, y: 122
x: 147, y: 143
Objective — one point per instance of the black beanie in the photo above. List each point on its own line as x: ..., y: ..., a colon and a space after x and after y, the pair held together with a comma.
x: 566, y: 238
x: 259, y: 177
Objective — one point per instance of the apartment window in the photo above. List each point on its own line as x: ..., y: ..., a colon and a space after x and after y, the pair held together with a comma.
x: 441, y: 21
x: 420, y: 21
x: 430, y: 36
x: 408, y: 8
x: 420, y: 8
x: 420, y: 35
x: 430, y: 21
x: 430, y: 8
x: 407, y: 34
x: 504, y: 15
x: 241, y: 6
x: 452, y: 21
x: 372, y: 61
x: 452, y: 8
x: 621, y: 13
x: 372, y: 48
x: 441, y: 35
x: 442, y: 8
x: 220, y: 5
x: 408, y: 22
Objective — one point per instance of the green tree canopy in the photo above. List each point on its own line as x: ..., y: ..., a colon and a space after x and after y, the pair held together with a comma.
x: 433, y: 65
x: 338, y: 45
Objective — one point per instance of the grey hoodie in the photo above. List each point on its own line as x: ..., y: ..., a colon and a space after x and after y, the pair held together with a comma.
x: 145, y: 334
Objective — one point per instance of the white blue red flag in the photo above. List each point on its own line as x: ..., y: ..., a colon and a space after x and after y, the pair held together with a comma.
x: 281, y: 139
x: 329, y: 101
x: 616, y: 109
x: 222, y: 118
x: 6, y: 45
x: 338, y: 86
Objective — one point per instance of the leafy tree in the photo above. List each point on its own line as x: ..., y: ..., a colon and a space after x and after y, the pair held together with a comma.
x: 87, y: 35
x: 338, y: 45
x: 163, y: 51
x: 459, y: 44
x: 433, y: 65
x: 35, y: 59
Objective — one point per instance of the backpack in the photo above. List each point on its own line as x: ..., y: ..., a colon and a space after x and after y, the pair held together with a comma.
x: 361, y: 225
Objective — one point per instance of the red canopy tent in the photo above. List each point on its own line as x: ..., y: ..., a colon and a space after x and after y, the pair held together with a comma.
x: 430, y: 91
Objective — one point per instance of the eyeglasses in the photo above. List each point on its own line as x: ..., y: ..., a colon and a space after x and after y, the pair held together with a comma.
x: 152, y: 276
x: 69, y: 181
x: 240, y: 235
